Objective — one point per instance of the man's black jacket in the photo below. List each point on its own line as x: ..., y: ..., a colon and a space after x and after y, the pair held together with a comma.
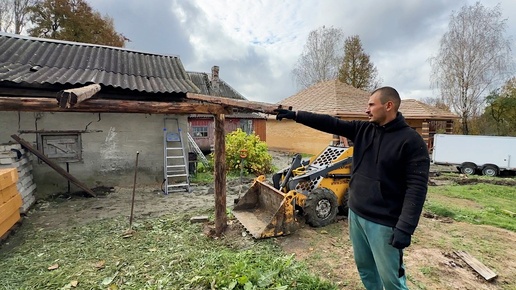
x: 390, y: 168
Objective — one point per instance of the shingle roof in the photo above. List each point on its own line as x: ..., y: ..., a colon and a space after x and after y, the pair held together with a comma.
x: 329, y: 97
x: 38, y: 61
x: 417, y: 110
x: 202, y: 81
x: 336, y: 98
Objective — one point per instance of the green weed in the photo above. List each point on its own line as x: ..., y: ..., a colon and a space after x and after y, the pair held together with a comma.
x: 480, y: 203
x: 164, y: 253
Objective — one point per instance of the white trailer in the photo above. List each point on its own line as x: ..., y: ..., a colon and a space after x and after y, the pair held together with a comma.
x: 473, y: 153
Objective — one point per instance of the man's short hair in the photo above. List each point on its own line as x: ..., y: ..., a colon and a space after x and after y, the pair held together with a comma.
x: 389, y: 94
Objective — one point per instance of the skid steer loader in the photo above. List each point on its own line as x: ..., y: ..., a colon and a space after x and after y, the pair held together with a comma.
x: 316, y: 188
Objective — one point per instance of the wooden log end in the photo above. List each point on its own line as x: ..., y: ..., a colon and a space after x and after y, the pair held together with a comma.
x: 199, y: 219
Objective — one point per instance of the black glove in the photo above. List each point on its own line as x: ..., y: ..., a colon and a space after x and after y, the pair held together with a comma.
x: 400, y: 239
x: 285, y: 114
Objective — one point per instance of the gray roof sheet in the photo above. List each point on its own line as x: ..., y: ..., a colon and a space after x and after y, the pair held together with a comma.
x: 202, y: 81
x: 37, y: 61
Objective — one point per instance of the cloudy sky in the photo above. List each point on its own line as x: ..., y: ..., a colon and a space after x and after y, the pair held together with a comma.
x: 257, y: 43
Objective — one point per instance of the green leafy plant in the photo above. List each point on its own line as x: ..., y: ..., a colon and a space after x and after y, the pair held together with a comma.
x: 246, y: 153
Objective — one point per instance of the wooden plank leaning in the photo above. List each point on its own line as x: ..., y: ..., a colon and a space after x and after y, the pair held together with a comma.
x: 53, y: 165
x: 480, y: 268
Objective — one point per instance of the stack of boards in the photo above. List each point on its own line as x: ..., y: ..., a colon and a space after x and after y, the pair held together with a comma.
x: 10, y: 200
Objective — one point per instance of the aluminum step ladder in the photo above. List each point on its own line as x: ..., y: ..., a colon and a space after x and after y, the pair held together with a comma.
x: 197, y: 150
x: 175, y: 169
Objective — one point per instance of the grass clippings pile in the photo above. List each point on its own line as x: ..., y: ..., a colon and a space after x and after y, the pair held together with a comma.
x: 164, y: 253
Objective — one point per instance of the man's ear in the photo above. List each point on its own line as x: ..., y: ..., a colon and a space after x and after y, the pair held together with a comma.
x: 389, y: 105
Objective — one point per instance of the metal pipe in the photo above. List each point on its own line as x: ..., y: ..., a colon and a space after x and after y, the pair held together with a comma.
x: 134, y: 190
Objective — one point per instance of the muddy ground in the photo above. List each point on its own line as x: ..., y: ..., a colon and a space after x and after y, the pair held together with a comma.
x: 431, y: 261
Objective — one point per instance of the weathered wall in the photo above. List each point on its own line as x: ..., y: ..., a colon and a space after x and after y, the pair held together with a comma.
x: 287, y: 135
x: 416, y: 125
x: 260, y: 128
x: 109, y: 146
x: 230, y: 124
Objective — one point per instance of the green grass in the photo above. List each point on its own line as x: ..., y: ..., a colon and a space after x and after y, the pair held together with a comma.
x: 480, y: 203
x: 202, y: 178
x: 165, y: 253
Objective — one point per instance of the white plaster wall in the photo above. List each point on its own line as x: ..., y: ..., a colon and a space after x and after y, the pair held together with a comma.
x: 108, y: 148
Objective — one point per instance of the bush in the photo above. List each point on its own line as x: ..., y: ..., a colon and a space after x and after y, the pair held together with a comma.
x: 258, y: 160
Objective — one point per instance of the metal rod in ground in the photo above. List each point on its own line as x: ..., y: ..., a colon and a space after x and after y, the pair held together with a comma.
x: 134, y: 190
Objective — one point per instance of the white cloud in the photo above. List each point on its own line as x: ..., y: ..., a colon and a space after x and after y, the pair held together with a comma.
x: 257, y: 43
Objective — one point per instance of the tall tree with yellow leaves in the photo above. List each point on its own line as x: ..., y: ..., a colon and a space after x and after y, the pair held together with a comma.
x: 357, y: 69
x: 73, y: 20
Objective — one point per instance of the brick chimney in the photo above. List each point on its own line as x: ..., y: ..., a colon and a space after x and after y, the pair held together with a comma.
x: 215, y: 78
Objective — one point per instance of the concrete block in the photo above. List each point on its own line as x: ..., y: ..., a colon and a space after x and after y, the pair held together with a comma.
x: 7, y: 160
x: 9, y: 165
x: 13, y: 146
x: 28, y: 191
x: 27, y: 204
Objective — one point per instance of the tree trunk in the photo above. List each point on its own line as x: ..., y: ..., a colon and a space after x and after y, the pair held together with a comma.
x: 465, y: 127
x: 109, y: 106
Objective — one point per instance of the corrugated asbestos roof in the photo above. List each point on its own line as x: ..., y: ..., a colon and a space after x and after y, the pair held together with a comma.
x: 203, y: 82
x: 38, y: 61
x: 336, y: 98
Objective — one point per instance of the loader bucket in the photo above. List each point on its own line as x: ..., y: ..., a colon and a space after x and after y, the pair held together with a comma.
x: 265, y: 211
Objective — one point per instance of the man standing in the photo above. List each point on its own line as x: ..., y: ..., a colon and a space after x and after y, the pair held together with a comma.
x: 388, y: 185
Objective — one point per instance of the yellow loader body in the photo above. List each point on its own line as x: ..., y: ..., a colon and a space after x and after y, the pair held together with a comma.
x: 265, y: 211
x: 317, y: 188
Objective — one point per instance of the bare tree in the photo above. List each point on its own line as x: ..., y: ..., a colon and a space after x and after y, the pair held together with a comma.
x: 321, y: 57
x: 20, y: 13
x: 357, y: 69
x: 474, y: 56
x: 6, y: 15
x: 13, y: 15
x: 435, y: 102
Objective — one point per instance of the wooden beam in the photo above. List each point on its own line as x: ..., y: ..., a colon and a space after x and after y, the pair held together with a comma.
x: 244, y: 104
x: 69, y: 98
x: 480, y: 268
x: 220, y: 176
x: 53, y: 165
x: 110, y: 106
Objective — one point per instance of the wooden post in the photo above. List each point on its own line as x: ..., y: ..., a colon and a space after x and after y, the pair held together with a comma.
x: 220, y: 176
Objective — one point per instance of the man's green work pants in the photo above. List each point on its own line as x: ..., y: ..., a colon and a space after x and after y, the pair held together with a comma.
x: 379, y: 264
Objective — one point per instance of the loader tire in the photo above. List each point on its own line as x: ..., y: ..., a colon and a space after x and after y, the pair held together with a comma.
x: 320, y: 207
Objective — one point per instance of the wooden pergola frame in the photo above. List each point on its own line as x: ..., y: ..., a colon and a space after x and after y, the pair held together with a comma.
x: 80, y: 100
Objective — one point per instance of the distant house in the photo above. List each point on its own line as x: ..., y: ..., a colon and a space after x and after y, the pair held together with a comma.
x: 201, y: 126
x: 348, y: 103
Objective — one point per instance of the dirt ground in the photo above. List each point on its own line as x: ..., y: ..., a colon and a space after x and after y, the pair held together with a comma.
x: 430, y: 260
